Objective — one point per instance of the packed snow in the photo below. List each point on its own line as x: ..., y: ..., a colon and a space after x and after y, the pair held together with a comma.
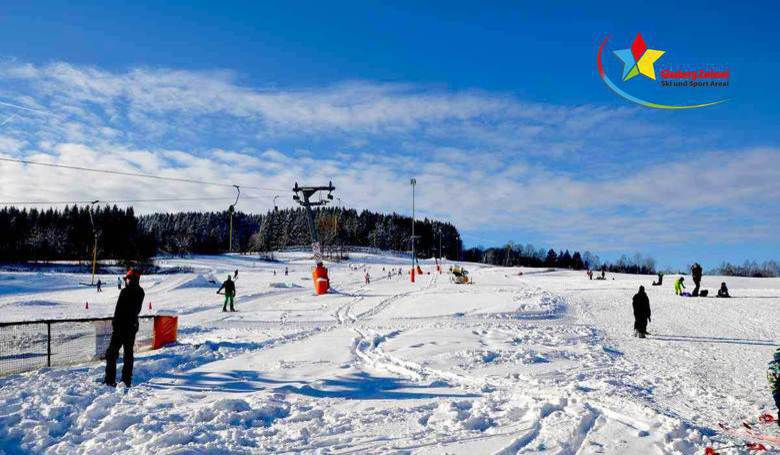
x: 520, y: 361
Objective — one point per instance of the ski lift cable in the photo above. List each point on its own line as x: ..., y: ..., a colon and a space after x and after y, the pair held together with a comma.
x: 136, y: 174
x: 123, y: 201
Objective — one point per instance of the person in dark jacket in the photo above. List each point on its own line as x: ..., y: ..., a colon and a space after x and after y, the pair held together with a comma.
x: 641, y: 305
x: 696, y: 275
x: 230, y: 293
x: 773, y: 376
x: 125, y: 326
x: 723, y: 291
x: 660, y: 281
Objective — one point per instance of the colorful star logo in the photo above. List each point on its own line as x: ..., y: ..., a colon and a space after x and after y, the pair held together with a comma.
x: 638, y: 59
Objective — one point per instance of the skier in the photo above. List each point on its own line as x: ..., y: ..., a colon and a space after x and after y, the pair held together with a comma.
x: 723, y: 291
x: 99, y: 285
x: 696, y: 274
x: 285, y: 271
x: 679, y: 286
x: 368, y: 278
x: 641, y: 304
x: 660, y: 279
x: 235, y: 275
x: 125, y: 326
x: 230, y: 293
x: 119, y: 283
x: 773, y: 376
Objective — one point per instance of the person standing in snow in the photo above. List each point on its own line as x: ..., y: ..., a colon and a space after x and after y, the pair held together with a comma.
x: 641, y: 304
x: 230, y: 293
x: 119, y: 283
x: 285, y: 271
x: 368, y: 278
x: 773, y: 376
x: 125, y: 326
x: 99, y: 285
x: 696, y: 275
x: 679, y: 286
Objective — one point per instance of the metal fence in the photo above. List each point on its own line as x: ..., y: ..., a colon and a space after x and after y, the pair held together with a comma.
x: 29, y: 345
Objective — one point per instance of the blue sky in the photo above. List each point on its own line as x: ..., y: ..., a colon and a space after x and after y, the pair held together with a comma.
x: 497, y: 110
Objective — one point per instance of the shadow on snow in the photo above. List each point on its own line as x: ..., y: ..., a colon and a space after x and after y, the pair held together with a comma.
x: 358, y: 386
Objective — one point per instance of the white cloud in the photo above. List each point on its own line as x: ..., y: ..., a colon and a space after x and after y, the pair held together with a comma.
x: 481, y: 159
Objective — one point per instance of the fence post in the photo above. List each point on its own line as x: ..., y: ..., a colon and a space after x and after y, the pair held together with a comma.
x: 48, y: 344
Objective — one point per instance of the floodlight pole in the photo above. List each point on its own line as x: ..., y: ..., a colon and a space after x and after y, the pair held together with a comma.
x: 413, y: 181
x: 94, y: 238
x: 232, y: 209
x: 440, y: 243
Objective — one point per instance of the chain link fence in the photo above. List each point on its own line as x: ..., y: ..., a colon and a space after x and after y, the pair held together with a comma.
x: 29, y: 345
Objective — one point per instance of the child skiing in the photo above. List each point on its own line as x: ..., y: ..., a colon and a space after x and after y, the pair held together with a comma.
x: 773, y: 376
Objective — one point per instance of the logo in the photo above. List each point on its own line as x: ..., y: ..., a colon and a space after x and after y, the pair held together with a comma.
x: 639, y: 60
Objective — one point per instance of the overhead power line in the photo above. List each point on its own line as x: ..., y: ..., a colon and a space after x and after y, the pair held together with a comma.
x: 138, y: 174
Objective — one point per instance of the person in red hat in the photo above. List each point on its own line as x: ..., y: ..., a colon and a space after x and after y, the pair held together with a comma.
x: 125, y: 326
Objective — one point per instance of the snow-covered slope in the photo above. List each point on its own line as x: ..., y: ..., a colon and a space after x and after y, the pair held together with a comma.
x: 532, y: 363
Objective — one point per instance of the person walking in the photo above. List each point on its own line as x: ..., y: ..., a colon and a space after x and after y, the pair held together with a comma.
x: 696, y: 275
x: 230, y: 293
x: 125, y: 326
x: 641, y: 304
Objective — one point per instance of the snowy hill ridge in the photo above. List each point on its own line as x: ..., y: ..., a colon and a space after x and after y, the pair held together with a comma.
x: 532, y: 363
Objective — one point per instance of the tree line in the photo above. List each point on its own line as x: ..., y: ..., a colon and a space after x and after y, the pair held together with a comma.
x: 767, y: 269
x: 67, y: 234
x: 207, y: 232
x: 529, y: 256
